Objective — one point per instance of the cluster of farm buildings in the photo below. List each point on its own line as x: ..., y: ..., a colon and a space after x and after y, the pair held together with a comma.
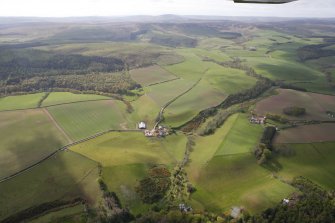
x: 161, y: 131
x: 257, y: 119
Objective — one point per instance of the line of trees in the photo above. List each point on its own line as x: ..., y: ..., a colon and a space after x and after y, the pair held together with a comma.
x: 263, y: 152
x: 41, y: 209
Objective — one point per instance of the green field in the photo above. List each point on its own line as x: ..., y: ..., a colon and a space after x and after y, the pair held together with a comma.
x: 56, y: 98
x: 151, y: 75
x: 83, y: 119
x: 314, y: 161
x: 237, y: 180
x: 163, y: 93
x: 215, y: 85
x: 241, y: 138
x: 279, y: 69
x: 116, y: 148
x: 226, y: 173
x: 146, y: 109
x: 56, y: 178
x: 191, y: 69
x: 20, y: 101
x: 126, y: 157
x: 26, y: 137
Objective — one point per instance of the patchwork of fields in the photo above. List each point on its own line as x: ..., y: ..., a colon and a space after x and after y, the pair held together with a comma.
x: 126, y: 157
x: 181, y: 69
x: 226, y: 174
x: 56, y: 178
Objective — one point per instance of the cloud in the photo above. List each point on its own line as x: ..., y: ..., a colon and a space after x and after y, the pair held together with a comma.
x: 59, y: 8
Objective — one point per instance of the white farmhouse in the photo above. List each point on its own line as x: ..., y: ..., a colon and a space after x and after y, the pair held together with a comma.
x: 142, y: 125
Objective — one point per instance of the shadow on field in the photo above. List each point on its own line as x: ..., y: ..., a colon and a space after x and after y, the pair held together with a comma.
x: 273, y: 165
x: 23, y: 153
x: 63, y: 178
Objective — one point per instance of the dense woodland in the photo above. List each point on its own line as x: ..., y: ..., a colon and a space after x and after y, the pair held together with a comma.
x: 34, y: 70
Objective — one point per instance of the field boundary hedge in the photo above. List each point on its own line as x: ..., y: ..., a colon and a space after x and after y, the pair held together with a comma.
x: 41, y: 209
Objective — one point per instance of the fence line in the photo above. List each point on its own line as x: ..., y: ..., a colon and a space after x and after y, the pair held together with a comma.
x: 26, y: 169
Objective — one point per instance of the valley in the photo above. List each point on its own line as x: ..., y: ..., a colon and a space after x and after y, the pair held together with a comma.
x: 73, y: 95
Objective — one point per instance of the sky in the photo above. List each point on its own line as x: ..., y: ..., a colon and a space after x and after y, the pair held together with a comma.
x: 74, y: 8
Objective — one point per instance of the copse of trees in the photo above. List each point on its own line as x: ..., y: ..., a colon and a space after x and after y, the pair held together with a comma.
x: 153, y: 188
x: 268, y: 134
x: 294, y: 111
x: 263, y: 152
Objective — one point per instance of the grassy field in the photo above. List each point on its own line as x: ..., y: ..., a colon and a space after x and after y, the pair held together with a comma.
x: 241, y: 138
x: 237, y: 180
x: 146, y: 109
x: 307, y: 133
x: 55, y: 98
x: 216, y: 84
x: 314, y: 161
x: 56, y: 178
x: 163, y: 93
x: 191, y: 69
x: 316, y: 104
x: 226, y: 175
x: 80, y: 120
x: 151, y: 75
x: 279, y: 69
x: 125, y: 158
x: 116, y: 148
x: 26, y: 137
x: 20, y: 101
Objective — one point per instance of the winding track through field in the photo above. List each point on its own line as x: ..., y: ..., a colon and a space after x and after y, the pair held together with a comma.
x: 160, y: 114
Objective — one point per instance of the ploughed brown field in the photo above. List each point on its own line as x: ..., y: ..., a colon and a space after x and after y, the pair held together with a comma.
x: 307, y: 133
x: 316, y: 105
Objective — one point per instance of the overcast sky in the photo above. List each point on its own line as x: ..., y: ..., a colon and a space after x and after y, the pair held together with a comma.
x: 65, y: 8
